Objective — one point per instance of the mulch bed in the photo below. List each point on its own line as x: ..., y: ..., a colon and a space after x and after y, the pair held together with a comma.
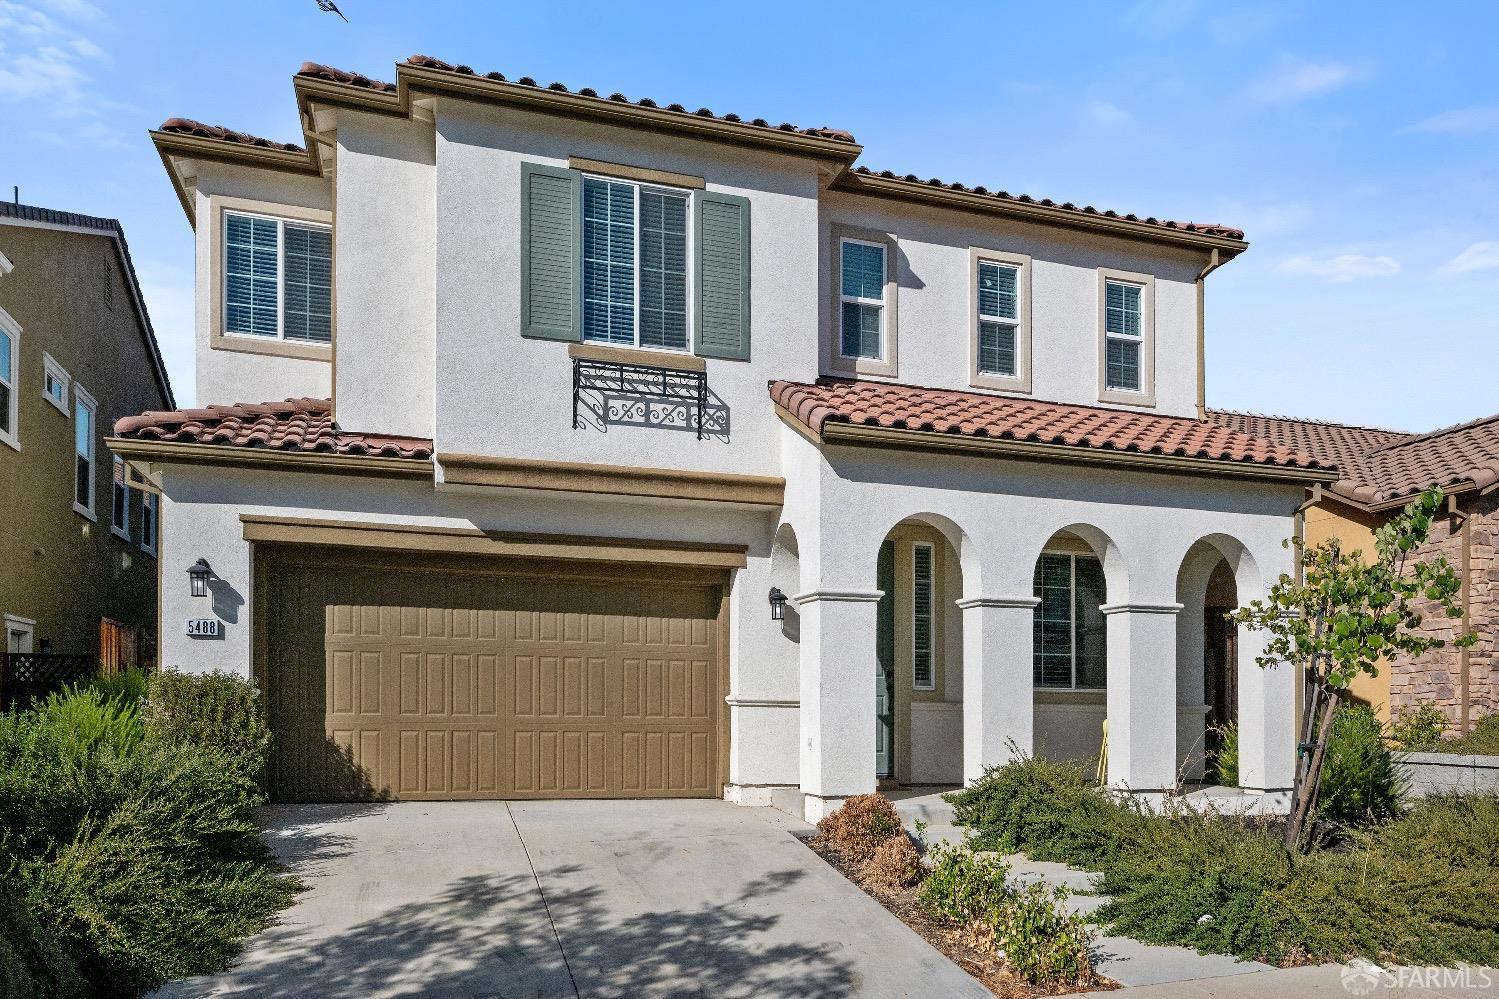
x: 983, y: 965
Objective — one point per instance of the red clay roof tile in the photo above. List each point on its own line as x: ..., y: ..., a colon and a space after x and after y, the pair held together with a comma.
x: 188, y: 126
x: 317, y: 70
x: 975, y: 414
x: 303, y: 425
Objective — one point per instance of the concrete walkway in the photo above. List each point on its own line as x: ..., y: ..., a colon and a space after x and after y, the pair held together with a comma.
x: 571, y: 898
x: 1128, y: 962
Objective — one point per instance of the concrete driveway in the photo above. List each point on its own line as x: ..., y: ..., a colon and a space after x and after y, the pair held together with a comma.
x: 571, y: 898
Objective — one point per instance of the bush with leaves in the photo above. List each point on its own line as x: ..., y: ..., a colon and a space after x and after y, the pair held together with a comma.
x: 130, y: 857
x: 1483, y: 740
x: 215, y: 709
x: 856, y: 830
x: 1419, y: 727
x: 127, y: 685
x: 1417, y: 889
x: 1027, y: 926
x: 1360, y: 781
x: 1226, y: 761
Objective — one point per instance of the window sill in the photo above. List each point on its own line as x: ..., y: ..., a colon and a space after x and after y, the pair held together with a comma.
x: 1000, y: 383
x: 1120, y: 397
x: 675, y: 360
x: 60, y: 407
x: 119, y: 533
x: 12, y: 440
x: 84, y: 511
x: 271, y: 346
x: 145, y: 550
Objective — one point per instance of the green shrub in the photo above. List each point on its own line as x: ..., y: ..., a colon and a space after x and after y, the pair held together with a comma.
x: 1419, y: 727
x: 1027, y: 926
x: 129, y: 859
x: 1360, y: 782
x: 211, y: 709
x: 1226, y: 763
x: 1051, y: 811
x: 1483, y: 740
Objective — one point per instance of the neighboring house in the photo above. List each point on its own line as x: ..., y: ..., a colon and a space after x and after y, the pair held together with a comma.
x: 1382, y: 471
x: 77, y: 544
x: 580, y: 388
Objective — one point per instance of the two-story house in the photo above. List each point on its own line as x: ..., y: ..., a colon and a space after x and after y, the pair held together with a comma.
x: 78, y: 542
x: 632, y: 449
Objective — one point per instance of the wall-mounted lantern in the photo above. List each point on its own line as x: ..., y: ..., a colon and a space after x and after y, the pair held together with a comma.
x: 777, y: 604
x: 197, y: 578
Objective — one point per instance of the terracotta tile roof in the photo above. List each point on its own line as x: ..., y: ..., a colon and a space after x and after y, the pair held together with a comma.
x: 304, y: 425
x: 187, y: 126
x: 973, y: 414
x: 317, y: 70
x: 428, y: 62
x: 1205, y: 228
x: 1384, y: 468
x: 1340, y: 444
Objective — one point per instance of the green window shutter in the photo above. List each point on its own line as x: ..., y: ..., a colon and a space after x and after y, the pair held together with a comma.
x: 723, y: 276
x: 551, y: 240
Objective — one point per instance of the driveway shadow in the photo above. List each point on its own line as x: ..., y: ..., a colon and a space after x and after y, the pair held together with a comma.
x: 490, y: 936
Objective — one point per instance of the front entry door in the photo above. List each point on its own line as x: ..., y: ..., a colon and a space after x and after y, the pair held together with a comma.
x: 884, y: 688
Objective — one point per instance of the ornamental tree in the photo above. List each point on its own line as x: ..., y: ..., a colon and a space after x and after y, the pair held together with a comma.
x: 1342, y: 617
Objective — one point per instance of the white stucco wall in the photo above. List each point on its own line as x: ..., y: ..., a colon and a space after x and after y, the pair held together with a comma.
x: 934, y: 297
x: 505, y: 394
x: 385, y: 260
x: 227, y: 376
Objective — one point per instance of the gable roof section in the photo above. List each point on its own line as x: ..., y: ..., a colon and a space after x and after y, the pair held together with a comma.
x: 317, y: 84
x: 293, y: 426
x: 1384, y: 469
x: 50, y: 218
x: 862, y: 412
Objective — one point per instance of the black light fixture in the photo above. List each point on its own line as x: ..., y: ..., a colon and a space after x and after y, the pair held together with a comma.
x: 777, y: 604
x: 197, y: 578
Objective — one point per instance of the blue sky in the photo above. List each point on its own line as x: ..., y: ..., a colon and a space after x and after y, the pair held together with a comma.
x: 1358, y: 145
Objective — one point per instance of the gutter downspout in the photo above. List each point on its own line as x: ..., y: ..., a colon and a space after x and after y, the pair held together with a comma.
x: 1465, y: 528
x: 1215, y: 260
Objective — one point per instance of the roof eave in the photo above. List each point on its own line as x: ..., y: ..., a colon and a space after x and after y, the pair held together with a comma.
x: 907, y: 190
x: 424, y: 79
x: 177, y: 144
x: 925, y: 440
x: 179, y: 452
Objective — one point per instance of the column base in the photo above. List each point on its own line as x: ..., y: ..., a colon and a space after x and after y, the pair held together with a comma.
x: 758, y: 795
x: 815, y: 807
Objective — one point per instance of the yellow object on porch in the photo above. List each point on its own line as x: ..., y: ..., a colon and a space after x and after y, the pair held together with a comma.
x: 1103, y: 754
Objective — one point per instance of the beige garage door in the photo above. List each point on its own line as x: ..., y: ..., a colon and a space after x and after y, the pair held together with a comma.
x: 524, y: 684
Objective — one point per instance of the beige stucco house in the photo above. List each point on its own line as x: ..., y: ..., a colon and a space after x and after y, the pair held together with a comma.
x: 78, y: 544
x: 563, y: 444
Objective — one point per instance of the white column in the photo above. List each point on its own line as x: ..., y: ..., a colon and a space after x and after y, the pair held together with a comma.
x: 998, y: 677
x: 1142, y: 695
x: 838, y: 673
x: 1267, y: 718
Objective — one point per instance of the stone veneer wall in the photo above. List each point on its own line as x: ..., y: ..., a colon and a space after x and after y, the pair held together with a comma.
x: 1436, y: 677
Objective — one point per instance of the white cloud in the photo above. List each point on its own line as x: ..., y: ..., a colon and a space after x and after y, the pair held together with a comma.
x: 45, y: 57
x: 1340, y: 269
x: 1295, y: 80
x: 1459, y: 121
x: 1482, y: 256
x: 1107, y: 115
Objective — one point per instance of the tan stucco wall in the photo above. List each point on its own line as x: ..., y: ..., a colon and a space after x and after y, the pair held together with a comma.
x: 1354, y: 531
x: 56, y: 566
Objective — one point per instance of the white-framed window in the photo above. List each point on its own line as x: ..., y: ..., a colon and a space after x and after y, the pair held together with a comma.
x: 998, y: 319
x: 119, y: 507
x: 1124, y: 336
x: 635, y: 264
x: 861, y: 323
x: 923, y: 602
x: 55, y: 383
x: 10, y: 370
x: 278, y: 278
x: 85, y: 411
x: 148, y: 522
x: 1071, y: 651
x: 20, y: 633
